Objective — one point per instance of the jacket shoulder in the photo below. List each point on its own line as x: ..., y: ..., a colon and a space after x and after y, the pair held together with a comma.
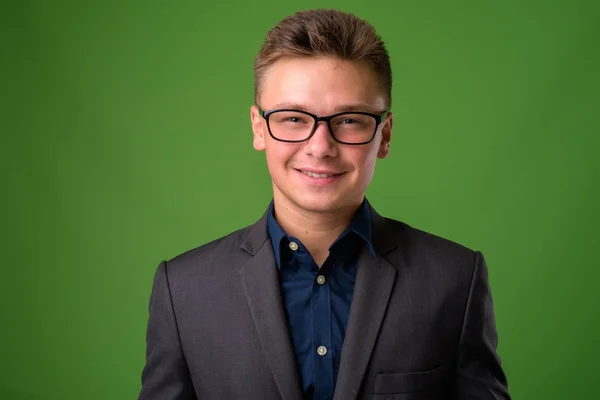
x: 221, y: 252
x: 417, y: 244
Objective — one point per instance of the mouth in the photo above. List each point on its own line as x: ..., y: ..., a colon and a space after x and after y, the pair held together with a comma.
x: 318, y: 175
x: 319, y: 178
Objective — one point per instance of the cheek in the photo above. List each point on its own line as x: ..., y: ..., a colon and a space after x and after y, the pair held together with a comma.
x: 363, y: 159
x: 278, y: 154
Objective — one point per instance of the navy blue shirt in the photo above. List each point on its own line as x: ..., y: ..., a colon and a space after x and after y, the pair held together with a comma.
x: 317, y: 300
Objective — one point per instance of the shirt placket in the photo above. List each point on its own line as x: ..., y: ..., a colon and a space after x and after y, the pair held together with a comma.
x: 322, y: 342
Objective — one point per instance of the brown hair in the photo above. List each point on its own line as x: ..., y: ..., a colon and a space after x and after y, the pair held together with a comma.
x: 325, y: 33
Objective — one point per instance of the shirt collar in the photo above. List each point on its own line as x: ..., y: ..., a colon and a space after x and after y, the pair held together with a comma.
x: 360, y: 225
x: 276, y: 233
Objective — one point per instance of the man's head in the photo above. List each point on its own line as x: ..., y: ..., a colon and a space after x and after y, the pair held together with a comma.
x: 322, y: 63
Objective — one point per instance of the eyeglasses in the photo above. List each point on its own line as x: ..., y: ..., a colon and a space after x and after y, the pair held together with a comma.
x: 292, y: 126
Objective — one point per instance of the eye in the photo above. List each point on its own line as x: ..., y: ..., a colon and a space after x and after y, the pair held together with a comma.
x: 289, y: 118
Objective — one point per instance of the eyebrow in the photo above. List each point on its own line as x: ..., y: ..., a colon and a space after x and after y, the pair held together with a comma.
x: 343, y: 108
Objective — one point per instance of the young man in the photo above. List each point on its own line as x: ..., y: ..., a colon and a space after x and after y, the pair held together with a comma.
x: 323, y: 298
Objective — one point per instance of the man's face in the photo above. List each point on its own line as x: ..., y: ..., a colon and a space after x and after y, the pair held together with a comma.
x: 322, y: 86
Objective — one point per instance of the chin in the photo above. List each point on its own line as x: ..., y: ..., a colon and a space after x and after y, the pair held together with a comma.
x: 318, y: 203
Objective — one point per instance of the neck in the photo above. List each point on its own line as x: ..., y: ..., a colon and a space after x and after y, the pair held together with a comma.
x: 317, y: 230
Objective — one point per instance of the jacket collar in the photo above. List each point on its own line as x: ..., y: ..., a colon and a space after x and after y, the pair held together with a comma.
x: 381, y: 240
x: 359, y: 225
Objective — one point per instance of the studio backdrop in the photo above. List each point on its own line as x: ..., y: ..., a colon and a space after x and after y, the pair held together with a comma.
x: 126, y: 140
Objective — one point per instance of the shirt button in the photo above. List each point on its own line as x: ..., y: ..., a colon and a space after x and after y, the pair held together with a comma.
x: 322, y: 350
x: 293, y: 246
x: 320, y: 279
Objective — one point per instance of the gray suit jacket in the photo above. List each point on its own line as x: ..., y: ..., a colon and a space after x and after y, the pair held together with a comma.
x: 421, y: 323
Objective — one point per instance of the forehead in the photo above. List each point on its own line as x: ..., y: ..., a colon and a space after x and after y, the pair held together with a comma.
x: 321, y: 85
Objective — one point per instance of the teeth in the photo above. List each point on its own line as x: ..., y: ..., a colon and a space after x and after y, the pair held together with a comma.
x: 316, y: 175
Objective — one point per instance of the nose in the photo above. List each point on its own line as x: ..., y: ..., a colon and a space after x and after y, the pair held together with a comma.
x: 321, y: 144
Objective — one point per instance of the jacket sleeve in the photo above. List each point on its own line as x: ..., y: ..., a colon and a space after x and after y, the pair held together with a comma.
x: 165, y: 375
x: 480, y: 374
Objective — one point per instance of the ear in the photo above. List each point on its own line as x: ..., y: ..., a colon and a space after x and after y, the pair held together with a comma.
x: 258, y: 128
x: 386, y: 136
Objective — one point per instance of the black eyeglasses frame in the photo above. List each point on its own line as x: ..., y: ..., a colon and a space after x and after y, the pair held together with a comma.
x: 327, y: 119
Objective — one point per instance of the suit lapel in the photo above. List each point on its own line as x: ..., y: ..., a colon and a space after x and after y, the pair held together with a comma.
x: 262, y: 289
x: 372, y: 290
x: 374, y: 283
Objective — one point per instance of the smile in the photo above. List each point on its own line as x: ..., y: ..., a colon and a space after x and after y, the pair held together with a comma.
x: 314, y: 175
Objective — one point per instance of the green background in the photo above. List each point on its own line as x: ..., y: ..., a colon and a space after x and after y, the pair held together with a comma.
x: 126, y: 140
